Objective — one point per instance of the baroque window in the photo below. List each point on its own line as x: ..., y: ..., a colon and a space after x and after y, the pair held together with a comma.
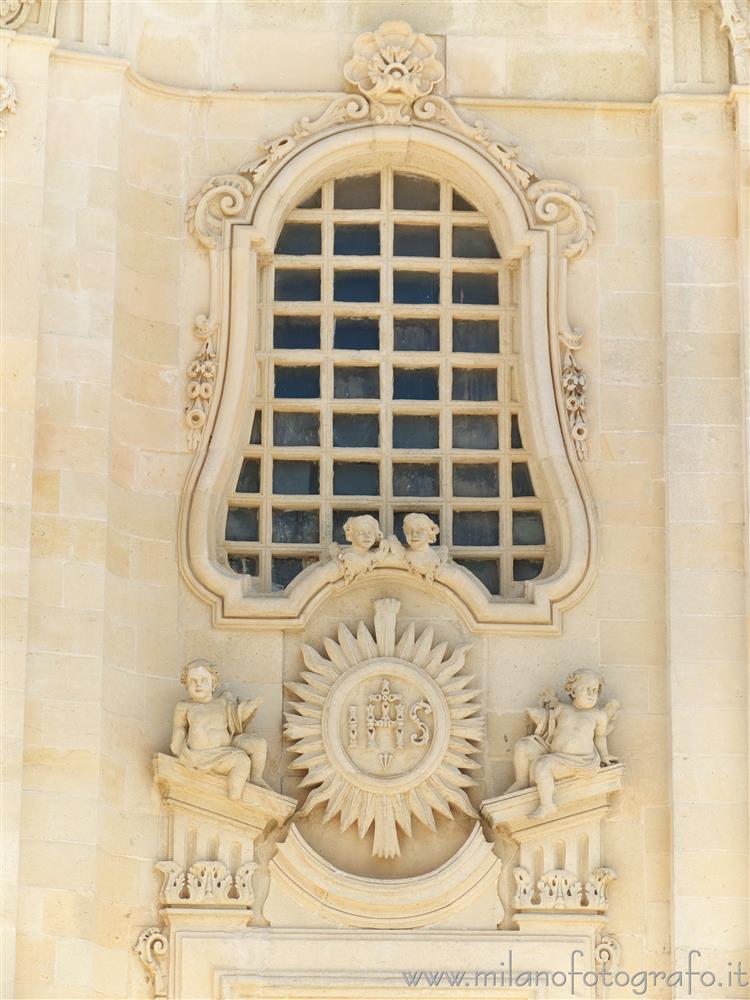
x: 389, y: 380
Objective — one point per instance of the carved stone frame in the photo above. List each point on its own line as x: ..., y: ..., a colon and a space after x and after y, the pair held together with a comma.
x: 541, y: 224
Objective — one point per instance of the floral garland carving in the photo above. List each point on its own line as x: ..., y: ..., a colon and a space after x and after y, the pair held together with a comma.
x: 8, y: 102
x: 395, y: 71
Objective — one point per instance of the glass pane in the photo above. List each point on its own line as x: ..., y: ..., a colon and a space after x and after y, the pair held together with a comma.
x: 356, y: 334
x: 295, y: 526
x: 291, y: 382
x: 487, y: 571
x: 284, y: 570
x: 481, y: 336
x: 475, y: 289
x: 416, y: 286
x: 527, y: 569
x: 255, y: 435
x: 299, y: 238
x: 415, y: 383
x: 476, y: 527
x: 356, y: 479
x: 242, y: 524
x: 296, y: 332
x: 415, y: 432
x: 356, y: 383
x: 356, y: 430
x: 249, y: 479
x: 295, y: 477
x: 417, y: 193
x: 416, y: 335
x: 340, y: 517
x: 357, y: 192
x: 460, y: 204
x: 356, y: 286
x: 515, y: 432
x: 480, y: 480
x: 521, y: 477
x: 528, y: 527
x: 415, y: 480
x: 416, y: 241
x: 362, y: 240
x: 476, y: 384
x: 314, y: 201
x: 244, y: 565
x: 296, y: 429
x: 473, y: 241
x: 296, y: 285
x: 470, y: 431
x: 398, y: 523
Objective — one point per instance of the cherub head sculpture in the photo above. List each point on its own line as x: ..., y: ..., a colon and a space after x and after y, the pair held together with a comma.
x: 363, y: 532
x: 420, y: 531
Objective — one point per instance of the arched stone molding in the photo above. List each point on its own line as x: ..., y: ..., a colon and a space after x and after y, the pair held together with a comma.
x: 543, y: 225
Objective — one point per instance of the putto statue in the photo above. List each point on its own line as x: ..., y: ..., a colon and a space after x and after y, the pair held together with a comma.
x: 369, y: 549
x: 420, y: 532
x: 568, y: 740
x: 366, y: 546
x: 208, y: 731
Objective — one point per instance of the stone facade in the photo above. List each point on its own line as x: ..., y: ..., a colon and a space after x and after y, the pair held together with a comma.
x: 631, y: 116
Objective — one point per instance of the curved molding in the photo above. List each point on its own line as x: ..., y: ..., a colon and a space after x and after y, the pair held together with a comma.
x: 404, y: 903
x: 542, y: 224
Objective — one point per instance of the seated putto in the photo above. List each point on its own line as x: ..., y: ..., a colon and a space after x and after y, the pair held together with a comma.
x: 568, y: 740
x: 208, y: 731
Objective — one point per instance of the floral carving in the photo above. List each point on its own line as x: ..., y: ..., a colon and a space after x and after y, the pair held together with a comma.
x: 201, y: 373
x: 559, y: 889
x: 13, y: 13
x: 574, y: 387
x: 151, y: 947
x: 8, y: 102
x: 393, y: 67
x: 205, y: 883
x: 607, y: 954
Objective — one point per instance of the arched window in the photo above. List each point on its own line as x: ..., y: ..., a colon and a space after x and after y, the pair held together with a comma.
x: 388, y: 381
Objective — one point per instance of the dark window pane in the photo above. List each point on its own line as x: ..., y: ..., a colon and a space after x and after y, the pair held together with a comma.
x: 296, y: 332
x: 475, y: 289
x: 398, y: 523
x: 284, y: 570
x: 300, y: 429
x: 356, y: 383
x: 293, y: 382
x: 487, y: 571
x: 415, y: 432
x: 295, y: 477
x: 481, y: 336
x: 352, y: 334
x: 416, y: 286
x: 298, y: 526
x: 357, y: 192
x: 527, y: 569
x: 415, y: 383
x: 296, y: 285
x: 476, y: 527
x: 473, y: 241
x: 528, y: 527
x: 415, y: 480
x: 356, y: 430
x: 480, y: 480
x: 356, y: 286
x: 299, y: 238
x: 460, y: 204
x: 340, y: 517
x: 249, y: 479
x: 417, y: 193
x: 356, y: 479
x: 361, y: 240
x: 470, y: 431
x: 242, y: 524
x: 522, y: 485
x: 244, y: 565
x: 515, y: 432
x: 416, y: 241
x: 255, y: 435
x: 416, y: 335
x: 475, y: 384
x: 312, y: 202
